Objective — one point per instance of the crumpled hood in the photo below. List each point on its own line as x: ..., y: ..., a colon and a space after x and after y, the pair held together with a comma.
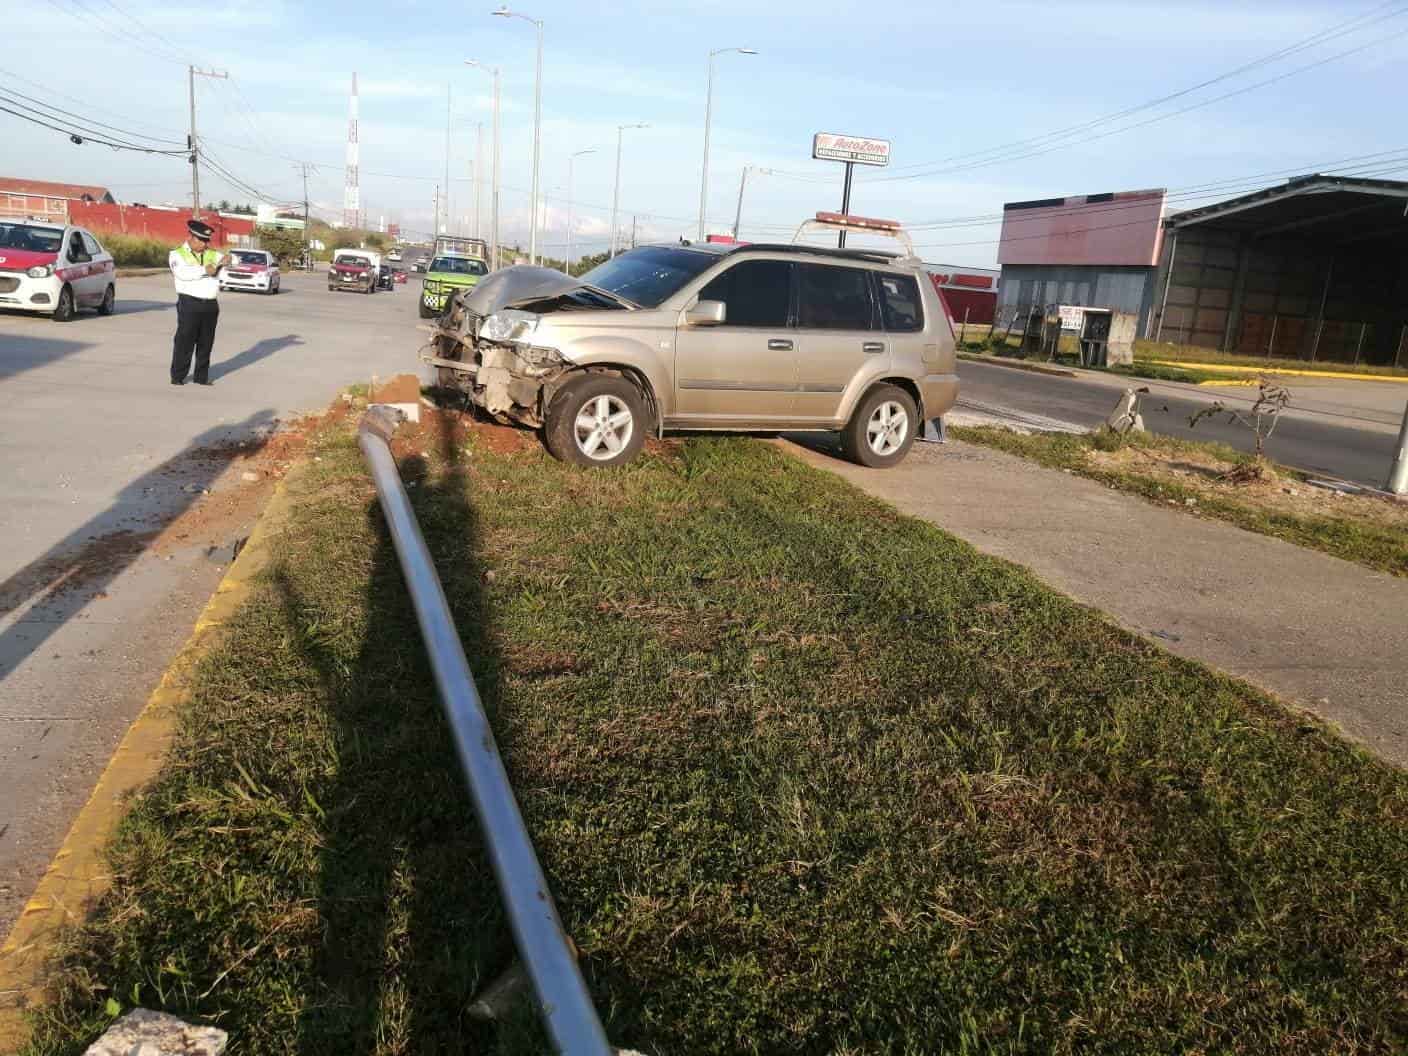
x: 525, y: 284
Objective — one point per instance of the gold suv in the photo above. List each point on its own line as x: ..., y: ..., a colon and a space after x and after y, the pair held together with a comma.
x: 685, y: 338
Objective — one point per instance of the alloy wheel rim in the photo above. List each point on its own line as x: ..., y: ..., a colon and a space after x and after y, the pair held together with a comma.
x: 887, y: 429
x: 603, y: 427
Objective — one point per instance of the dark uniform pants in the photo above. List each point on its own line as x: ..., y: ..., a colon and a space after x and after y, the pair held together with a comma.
x: 195, y: 331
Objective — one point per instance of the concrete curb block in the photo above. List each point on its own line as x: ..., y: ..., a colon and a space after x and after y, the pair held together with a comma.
x: 78, y: 875
x: 1017, y: 364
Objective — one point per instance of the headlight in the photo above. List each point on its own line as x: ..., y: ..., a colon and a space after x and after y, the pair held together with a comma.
x: 510, y: 325
x: 40, y: 271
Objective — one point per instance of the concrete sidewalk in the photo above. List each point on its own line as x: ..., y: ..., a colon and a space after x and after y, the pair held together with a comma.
x: 1316, y: 631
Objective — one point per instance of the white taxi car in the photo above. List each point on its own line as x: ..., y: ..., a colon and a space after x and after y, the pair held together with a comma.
x: 55, y: 269
x: 250, y: 269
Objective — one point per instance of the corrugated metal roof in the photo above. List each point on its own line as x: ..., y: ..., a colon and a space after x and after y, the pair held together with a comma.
x: 1339, y: 207
x: 50, y: 189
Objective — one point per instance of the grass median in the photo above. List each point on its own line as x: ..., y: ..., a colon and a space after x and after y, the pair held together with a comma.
x: 805, y: 775
x: 1367, y: 529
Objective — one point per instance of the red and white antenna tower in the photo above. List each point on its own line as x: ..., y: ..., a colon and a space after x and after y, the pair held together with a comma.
x: 351, y: 196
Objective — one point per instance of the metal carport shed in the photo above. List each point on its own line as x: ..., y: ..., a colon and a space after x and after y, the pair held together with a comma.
x: 1314, y: 269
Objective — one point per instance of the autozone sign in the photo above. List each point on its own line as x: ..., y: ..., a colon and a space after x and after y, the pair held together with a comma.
x: 828, y: 146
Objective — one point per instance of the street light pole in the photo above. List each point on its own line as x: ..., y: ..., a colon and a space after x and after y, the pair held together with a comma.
x: 708, y: 117
x: 616, y: 194
x: 504, y: 12
x: 494, y: 194
x: 571, y: 159
x: 1398, y: 475
x: 479, y: 180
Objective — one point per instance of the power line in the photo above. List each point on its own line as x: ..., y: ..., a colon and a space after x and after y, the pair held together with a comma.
x: 82, y: 102
x: 48, y: 110
x: 1323, y: 36
x: 92, y: 138
x: 86, y: 14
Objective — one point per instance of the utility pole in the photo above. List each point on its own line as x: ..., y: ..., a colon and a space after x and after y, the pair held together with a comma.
x: 307, y: 236
x: 479, y: 179
x: 447, y: 160
x: 633, y: 232
x: 743, y: 183
x: 192, y: 72
x: 435, y: 224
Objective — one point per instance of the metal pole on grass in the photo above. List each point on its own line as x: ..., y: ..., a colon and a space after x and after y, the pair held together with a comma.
x: 1398, y: 474
x: 563, y: 1001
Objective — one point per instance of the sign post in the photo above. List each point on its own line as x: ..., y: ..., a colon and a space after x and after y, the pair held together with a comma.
x: 853, y: 151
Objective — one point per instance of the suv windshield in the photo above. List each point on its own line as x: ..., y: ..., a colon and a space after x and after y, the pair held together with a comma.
x: 351, y: 261
x: 648, y: 275
x: 34, y: 239
x: 459, y: 266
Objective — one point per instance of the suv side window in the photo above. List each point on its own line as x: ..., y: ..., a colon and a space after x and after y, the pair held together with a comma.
x: 833, y: 298
x: 900, y: 306
x: 756, y: 293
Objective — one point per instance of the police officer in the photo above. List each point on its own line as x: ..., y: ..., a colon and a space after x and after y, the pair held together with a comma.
x: 194, y: 266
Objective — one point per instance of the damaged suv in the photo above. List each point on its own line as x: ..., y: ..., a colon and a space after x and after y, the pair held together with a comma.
x: 710, y: 337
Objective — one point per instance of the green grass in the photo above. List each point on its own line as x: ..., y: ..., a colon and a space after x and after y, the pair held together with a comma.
x: 806, y: 776
x: 130, y: 251
x: 1378, y: 544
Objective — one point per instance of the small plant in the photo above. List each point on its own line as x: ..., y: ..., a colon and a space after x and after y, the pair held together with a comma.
x: 1272, y: 398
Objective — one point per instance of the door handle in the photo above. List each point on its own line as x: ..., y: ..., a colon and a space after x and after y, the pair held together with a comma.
x: 872, y: 346
x: 779, y: 344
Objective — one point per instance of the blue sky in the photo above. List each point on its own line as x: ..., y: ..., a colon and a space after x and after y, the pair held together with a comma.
x: 943, y: 82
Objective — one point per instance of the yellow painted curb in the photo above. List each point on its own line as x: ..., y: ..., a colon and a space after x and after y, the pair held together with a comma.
x: 1401, y: 379
x: 78, y: 876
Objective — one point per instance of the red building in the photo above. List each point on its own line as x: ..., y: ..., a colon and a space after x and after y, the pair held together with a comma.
x: 44, y: 199
x: 163, y: 223
x: 969, y: 294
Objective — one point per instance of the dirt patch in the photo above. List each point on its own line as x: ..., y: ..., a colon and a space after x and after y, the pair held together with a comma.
x: 1199, y: 471
x: 443, y: 431
x: 403, y: 388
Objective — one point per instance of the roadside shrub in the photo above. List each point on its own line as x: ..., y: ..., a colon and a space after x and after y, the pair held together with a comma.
x: 129, y: 251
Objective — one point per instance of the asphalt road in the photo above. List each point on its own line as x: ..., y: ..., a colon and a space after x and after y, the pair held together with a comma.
x: 109, y: 543
x: 1345, y: 429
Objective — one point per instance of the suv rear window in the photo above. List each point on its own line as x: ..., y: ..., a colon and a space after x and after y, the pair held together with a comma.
x: 900, y: 307
x: 756, y: 293
x: 832, y: 298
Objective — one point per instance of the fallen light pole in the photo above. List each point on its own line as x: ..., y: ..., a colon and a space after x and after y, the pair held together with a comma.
x: 563, y: 1001
x: 1398, y: 475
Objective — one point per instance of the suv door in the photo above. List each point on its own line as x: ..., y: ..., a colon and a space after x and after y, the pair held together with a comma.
x: 902, y: 315
x: 838, y: 336
x: 744, y: 368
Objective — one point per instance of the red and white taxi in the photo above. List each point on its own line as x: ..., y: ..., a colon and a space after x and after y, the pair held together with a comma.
x: 250, y: 269
x: 55, y: 269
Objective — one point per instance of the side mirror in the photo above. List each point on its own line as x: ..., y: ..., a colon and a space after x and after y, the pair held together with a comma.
x: 706, y: 313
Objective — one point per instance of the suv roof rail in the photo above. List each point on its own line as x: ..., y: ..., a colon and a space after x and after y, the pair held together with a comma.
x: 824, y: 221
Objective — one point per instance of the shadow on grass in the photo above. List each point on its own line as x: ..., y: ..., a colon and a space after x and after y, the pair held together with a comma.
x: 412, y: 926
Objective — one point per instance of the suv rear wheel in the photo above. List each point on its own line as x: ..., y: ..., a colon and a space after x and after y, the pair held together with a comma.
x: 595, y: 420
x: 881, y: 431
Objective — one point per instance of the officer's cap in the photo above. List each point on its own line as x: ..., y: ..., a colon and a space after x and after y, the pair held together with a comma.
x: 200, y: 229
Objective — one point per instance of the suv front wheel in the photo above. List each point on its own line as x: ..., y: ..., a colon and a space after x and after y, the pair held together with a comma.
x: 881, y: 431
x: 595, y: 420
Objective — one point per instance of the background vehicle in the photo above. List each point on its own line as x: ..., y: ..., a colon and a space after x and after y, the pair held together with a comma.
x: 709, y: 337
x: 448, y: 274
x: 384, y: 279
x: 354, y: 269
x: 394, y: 256
x: 251, y: 269
x: 55, y: 269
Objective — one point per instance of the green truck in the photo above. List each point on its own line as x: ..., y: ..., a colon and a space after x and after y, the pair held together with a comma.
x: 448, y: 271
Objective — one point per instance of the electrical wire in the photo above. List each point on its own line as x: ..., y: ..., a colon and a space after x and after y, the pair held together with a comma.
x: 87, y: 105
x: 1323, y: 36
x: 87, y: 15
x: 93, y: 138
x: 58, y: 113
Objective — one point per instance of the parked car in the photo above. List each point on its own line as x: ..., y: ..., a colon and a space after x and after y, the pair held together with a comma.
x: 250, y: 269
x: 54, y: 269
x: 394, y: 256
x: 399, y: 274
x: 708, y: 337
x: 448, y: 273
x: 384, y: 279
x: 354, y: 269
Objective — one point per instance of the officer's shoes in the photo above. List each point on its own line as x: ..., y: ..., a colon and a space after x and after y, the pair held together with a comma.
x: 178, y: 381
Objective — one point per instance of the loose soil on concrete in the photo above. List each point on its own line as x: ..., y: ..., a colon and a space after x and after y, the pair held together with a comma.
x: 804, y: 774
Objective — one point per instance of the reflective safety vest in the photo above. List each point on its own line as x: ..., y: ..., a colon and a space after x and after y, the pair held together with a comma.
x: 210, y: 256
